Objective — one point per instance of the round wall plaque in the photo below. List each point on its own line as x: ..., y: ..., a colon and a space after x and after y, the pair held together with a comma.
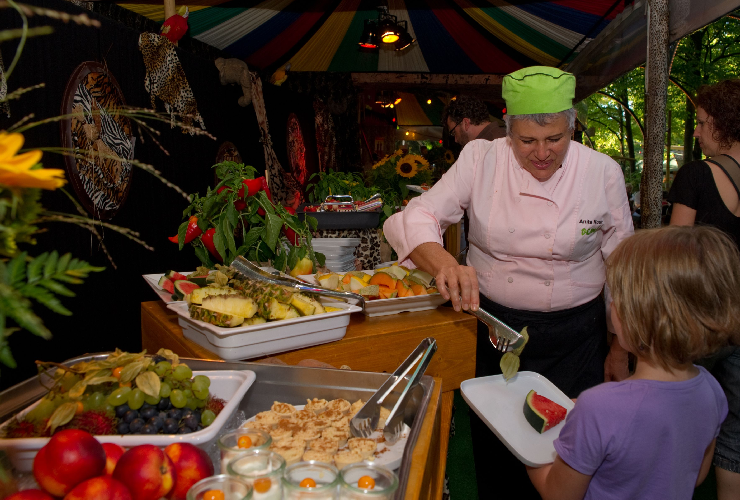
x: 100, y: 137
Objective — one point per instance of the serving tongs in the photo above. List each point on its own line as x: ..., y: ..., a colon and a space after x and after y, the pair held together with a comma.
x: 502, y: 336
x: 366, y: 420
x: 250, y: 271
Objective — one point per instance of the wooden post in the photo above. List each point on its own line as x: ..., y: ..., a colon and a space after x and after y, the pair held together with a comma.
x: 668, y: 155
x: 169, y: 9
x: 656, y: 90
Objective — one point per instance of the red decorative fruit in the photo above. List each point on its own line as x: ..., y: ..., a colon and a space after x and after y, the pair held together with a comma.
x: 146, y: 471
x: 30, y: 495
x: 191, y: 465
x: 99, y: 488
x: 70, y: 457
x: 112, y: 453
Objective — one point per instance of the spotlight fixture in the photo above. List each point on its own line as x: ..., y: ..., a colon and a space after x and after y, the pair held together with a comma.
x: 387, y: 99
x: 386, y: 29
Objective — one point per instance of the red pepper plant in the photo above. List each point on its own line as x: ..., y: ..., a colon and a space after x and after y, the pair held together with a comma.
x: 238, y: 217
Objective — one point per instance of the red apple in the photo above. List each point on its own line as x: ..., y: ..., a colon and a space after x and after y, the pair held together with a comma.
x: 191, y: 465
x: 99, y: 488
x: 30, y: 495
x: 70, y: 457
x: 146, y: 471
x: 112, y: 453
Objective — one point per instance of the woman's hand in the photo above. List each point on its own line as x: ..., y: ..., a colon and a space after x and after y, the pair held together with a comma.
x: 455, y: 282
x: 460, y: 285
x: 616, y: 366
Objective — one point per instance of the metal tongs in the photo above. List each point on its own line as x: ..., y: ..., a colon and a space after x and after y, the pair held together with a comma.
x: 249, y: 270
x: 502, y: 336
x: 366, y: 420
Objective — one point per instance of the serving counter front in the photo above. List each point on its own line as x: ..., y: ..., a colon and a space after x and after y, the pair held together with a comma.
x: 378, y: 344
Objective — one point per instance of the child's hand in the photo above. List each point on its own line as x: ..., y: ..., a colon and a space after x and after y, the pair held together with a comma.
x: 616, y: 364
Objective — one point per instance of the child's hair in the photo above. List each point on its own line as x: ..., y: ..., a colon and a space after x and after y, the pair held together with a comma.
x: 677, y: 292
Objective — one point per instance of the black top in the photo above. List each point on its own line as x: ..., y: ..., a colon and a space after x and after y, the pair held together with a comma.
x: 694, y: 187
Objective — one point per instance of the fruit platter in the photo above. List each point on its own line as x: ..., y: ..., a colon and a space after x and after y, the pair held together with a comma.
x: 127, y: 399
x: 387, y: 290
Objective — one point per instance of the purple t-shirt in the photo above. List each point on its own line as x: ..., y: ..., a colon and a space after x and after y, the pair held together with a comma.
x: 643, y: 438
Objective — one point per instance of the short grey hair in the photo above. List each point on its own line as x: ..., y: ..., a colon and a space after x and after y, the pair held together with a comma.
x: 543, y: 119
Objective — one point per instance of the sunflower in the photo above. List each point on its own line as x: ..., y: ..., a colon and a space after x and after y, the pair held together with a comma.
x: 409, y: 165
x: 381, y: 162
x: 449, y: 157
x: 19, y: 171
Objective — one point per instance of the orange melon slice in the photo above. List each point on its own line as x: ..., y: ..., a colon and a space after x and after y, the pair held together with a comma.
x: 419, y: 289
x: 383, y: 279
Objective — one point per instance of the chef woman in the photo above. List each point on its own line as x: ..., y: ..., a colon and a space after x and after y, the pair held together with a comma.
x: 545, y: 213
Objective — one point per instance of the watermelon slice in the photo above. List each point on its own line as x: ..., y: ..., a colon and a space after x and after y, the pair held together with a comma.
x: 542, y: 413
x: 201, y: 280
x: 183, y: 288
x: 175, y: 276
x: 167, y: 284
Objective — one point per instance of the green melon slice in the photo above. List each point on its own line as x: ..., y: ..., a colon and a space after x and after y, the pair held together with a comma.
x: 542, y: 413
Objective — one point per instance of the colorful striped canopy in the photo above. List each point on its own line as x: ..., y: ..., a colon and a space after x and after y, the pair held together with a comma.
x: 453, y: 36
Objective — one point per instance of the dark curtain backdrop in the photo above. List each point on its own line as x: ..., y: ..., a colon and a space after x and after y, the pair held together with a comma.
x: 106, y: 311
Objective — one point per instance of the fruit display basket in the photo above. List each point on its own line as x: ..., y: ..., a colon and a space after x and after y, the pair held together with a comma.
x: 291, y: 384
x: 230, y: 385
x: 266, y: 338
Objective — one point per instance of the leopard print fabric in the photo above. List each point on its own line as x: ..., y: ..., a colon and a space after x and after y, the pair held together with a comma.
x: 367, y: 252
x: 166, y: 79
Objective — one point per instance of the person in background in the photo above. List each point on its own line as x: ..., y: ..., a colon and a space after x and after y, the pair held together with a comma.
x: 467, y: 119
x: 653, y: 434
x: 545, y: 213
x: 704, y: 193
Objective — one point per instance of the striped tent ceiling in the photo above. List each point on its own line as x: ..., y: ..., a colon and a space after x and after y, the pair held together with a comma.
x: 453, y: 36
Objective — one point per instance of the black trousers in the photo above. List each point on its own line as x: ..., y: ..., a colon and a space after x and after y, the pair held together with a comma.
x: 567, y: 347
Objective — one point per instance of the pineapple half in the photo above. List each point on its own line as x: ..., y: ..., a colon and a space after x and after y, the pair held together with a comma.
x: 215, y: 318
x: 234, y: 304
x: 197, y: 295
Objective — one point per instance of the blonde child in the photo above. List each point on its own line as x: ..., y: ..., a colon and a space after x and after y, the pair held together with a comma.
x: 676, y: 298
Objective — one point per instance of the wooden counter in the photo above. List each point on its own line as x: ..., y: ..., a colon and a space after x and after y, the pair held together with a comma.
x: 377, y: 345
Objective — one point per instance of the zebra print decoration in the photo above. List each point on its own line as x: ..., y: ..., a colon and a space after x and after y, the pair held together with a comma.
x: 100, y: 136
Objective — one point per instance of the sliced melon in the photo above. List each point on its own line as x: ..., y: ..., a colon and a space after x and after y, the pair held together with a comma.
x: 167, y: 284
x: 542, y: 414
x: 358, y: 274
x: 201, y: 280
x: 421, y: 277
x: 183, y: 288
x: 356, y: 283
x: 397, y: 272
x: 330, y: 281
x: 174, y: 276
x: 370, y: 291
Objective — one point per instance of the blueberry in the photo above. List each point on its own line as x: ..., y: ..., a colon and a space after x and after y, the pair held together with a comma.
x: 164, y: 404
x: 184, y: 430
x: 121, y: 410
x: 175, y: 413
x: 186, y: 412
x: 148, y: 429
x: 148, y: 413
x: 122, y: 428
x: 157, y: 422
x: 162, y: 415
x: 191, y: 421
x: 147, y: 405
x: 156, y: 359
x: 170, y: 426
x: 136, y: 425
x: 130, y: 416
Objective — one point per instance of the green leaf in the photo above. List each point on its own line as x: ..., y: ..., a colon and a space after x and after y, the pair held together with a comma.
x: 387, y: 210
x: 34, y: 268
x: 51, y: 264
x: 265, y: 202
x: 181, y: 232
x: 219, y: 241
x: 101, y: 380
x: 280, y: 260
x: 131, y: 370
x: 273, y: 226
x: 203, y: 256
x: 232, y: 215
x: 62, y: 415
x: 63, y: 262
x: 312, y: 222
x: 320, y: 258
x: 229, y: 234
x: 6, y: 357
x: 77, y: 390
x: 292, y: 257
x: 57, y: 288
x: 149, y: 383
x: 46, y: 298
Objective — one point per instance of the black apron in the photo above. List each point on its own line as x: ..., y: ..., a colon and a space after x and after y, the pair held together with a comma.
x: 567, y: 347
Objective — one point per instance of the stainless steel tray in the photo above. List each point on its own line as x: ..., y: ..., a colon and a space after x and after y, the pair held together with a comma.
x: 291, y: 384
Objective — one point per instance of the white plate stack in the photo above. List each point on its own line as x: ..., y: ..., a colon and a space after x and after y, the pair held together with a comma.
x: 339, y: 252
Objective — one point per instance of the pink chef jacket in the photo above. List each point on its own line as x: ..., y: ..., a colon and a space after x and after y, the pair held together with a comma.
x: 535, y: 246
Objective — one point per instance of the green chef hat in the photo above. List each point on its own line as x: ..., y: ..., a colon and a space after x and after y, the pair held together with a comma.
x: 538, y: 89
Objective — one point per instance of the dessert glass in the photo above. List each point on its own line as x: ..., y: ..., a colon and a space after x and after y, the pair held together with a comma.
x: 262, y: 469
x: 386, y: 482
x: 325, y: 475
x: 233, y: 488
x: 228, y: 444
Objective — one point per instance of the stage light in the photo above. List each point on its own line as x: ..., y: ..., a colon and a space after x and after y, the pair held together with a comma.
x: 369, y: 35
x: 386, y: 29
x: 429, y: 101
x: 404, y: 37
x: 398, y: 99
x: 407, y: 133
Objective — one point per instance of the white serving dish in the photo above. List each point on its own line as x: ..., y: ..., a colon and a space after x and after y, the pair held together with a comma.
x: 153, y: 281
x: 500, y: 405
x: 334, y: 242
x: 268, y: 338
x: 230, y: 385
x: 388, y: 456
x: 385, y: 307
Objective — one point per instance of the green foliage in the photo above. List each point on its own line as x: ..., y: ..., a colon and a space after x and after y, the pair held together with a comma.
x: 25, y: 280
x: 243, y: 232
x: 19, y: 209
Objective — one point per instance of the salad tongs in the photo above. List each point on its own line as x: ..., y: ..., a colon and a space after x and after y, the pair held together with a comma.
x: 250, y: 271
x: 366, y: 420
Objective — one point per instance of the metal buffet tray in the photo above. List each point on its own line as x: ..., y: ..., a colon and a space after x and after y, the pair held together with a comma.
x: 290, y: 384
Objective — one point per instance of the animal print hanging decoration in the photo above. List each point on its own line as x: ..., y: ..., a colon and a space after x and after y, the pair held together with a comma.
x: 166, y: 79
x: 4, y: 108
x: 100, y: 137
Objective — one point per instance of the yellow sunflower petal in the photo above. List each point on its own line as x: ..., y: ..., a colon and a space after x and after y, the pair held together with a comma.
x: 45, y: 178
x: 21, y: 162
x: 9, y: 144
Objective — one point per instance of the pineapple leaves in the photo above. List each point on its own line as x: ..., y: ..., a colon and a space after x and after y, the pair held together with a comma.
x: 40, y: 279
